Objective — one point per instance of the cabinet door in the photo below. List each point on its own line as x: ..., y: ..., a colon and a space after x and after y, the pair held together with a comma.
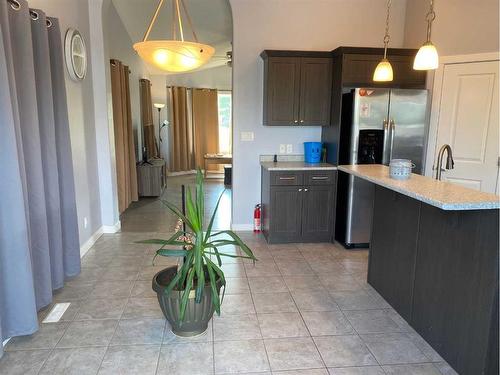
x: 393, y: 248
x: 281, y: 90
x: 315, y: 91
x: 318, y: 212
x: 286, y: 212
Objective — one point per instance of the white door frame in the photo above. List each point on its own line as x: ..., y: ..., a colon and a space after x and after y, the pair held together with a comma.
x: 437, y: 94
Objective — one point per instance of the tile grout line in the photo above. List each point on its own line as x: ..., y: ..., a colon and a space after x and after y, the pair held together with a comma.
x: 258, y: 325
x: 302, y: 318
x: 118, y: 322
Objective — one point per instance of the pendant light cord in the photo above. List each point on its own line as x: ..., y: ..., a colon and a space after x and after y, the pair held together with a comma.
x: 430, y: 17
x: 179, y: 19
x: 189, y: 21
x: 153, y: 19
x: 387, y: 37
x: 176, y: 11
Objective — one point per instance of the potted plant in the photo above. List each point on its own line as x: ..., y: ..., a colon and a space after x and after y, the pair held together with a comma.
x: 190, y: 292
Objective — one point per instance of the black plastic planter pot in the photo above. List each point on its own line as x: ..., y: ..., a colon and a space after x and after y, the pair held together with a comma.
x: 197, y: 315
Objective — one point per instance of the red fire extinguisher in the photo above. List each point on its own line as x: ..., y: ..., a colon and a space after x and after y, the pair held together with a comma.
x: 256, y: 218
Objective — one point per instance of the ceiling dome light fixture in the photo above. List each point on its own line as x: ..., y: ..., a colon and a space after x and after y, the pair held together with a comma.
x: 427, y: 56
x: 174, y: 55
x: 383, y: 71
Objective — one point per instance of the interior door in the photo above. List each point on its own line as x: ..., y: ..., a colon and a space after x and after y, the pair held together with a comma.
x: 315, y: 91
x: 468, y: 122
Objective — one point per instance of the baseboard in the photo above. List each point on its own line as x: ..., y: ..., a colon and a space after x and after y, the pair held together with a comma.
x: 90, y: 242
x: 112, y: 228
x: 210, y: 174
x: 183, y: 173
x: 242, y: 227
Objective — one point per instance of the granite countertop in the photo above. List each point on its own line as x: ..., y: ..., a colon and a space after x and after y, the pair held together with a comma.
x: 441, y: 194
x: 295, y: 166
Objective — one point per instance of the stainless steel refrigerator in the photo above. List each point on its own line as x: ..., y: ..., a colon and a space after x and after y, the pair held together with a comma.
x: 377, y: 125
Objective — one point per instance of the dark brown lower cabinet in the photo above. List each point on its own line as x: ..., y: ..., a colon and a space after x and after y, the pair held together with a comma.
x: 298, y: 206
x: 439, y: 270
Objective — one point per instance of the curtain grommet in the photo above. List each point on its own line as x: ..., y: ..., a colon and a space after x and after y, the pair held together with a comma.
x: 34, y: 15
x: 14, y: 4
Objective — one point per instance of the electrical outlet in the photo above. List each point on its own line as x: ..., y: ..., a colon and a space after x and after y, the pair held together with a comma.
x: 85, y: 222
x: 282, y: 148
x: 289, y: 149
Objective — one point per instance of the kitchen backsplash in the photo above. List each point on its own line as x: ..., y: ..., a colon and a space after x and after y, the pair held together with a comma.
x: 282, y: 157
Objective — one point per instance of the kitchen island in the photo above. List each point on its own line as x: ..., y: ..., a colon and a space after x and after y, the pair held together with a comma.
x: 434, y: 258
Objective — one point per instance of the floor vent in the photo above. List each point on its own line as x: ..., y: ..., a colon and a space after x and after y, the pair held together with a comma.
x: 56, y: 313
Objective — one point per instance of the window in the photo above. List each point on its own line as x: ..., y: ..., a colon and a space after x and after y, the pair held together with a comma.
x: 225, y: 122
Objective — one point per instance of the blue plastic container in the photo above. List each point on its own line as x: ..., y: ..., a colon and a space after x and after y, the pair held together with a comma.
x: 312, y: 152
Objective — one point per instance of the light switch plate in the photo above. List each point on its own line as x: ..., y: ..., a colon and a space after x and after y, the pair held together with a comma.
x: 289, y: 149
x: 282, y: 148
x: 246, y: 136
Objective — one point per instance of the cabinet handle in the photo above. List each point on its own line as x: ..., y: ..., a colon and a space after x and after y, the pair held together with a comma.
x: 306, y: 189
x: 296, y: 121
x: 287, y: 178
x: 300, y: 189
x: 301, y: 120
x: 320, y: 178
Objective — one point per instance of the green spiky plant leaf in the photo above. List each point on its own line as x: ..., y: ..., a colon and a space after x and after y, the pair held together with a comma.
x: 204, y: 253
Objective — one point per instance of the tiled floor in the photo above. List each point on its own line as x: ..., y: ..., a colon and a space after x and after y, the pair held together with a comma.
x: 302, y: 309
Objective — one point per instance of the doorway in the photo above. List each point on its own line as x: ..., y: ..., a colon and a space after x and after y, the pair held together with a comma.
x: 190, y: 126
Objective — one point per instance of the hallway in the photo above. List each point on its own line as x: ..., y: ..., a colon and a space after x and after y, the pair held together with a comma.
x: 151, y: 215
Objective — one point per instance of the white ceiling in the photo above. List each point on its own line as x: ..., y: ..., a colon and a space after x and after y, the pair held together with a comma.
x: 211, y: 18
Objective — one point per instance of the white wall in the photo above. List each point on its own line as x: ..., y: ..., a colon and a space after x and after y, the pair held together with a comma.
x: 91, y: 135
x: 213, y: 78
x: 460, y: 27
x: 118, y: 45
x: 320, y: 25
x: 74, y: 13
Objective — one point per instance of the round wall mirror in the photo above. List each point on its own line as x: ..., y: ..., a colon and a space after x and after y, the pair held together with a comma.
x: 76, y: 55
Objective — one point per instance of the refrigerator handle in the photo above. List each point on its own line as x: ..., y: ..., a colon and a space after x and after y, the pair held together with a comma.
x: 392, y: 130
x: 385, y: 149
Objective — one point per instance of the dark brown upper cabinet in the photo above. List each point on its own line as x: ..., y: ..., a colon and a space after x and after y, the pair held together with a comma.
x: 297, y: 88
x: 358, y: 71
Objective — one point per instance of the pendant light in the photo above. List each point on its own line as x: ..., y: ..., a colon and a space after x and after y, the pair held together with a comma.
x: 174, y: 55
x: 427, y: 56
x: 383, y: 71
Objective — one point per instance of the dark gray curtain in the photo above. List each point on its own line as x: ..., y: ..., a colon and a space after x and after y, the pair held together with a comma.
x: 39, y: 243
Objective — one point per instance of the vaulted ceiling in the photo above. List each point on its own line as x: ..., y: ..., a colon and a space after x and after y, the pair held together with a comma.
x: 212, y: 21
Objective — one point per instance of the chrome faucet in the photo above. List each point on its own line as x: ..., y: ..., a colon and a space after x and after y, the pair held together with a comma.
x: 449, y: 160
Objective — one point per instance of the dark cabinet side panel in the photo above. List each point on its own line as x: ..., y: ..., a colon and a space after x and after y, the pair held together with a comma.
x: 281, y: 91
x: 315, y: 91
x: 456, y: 286
x: 393, y: 248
